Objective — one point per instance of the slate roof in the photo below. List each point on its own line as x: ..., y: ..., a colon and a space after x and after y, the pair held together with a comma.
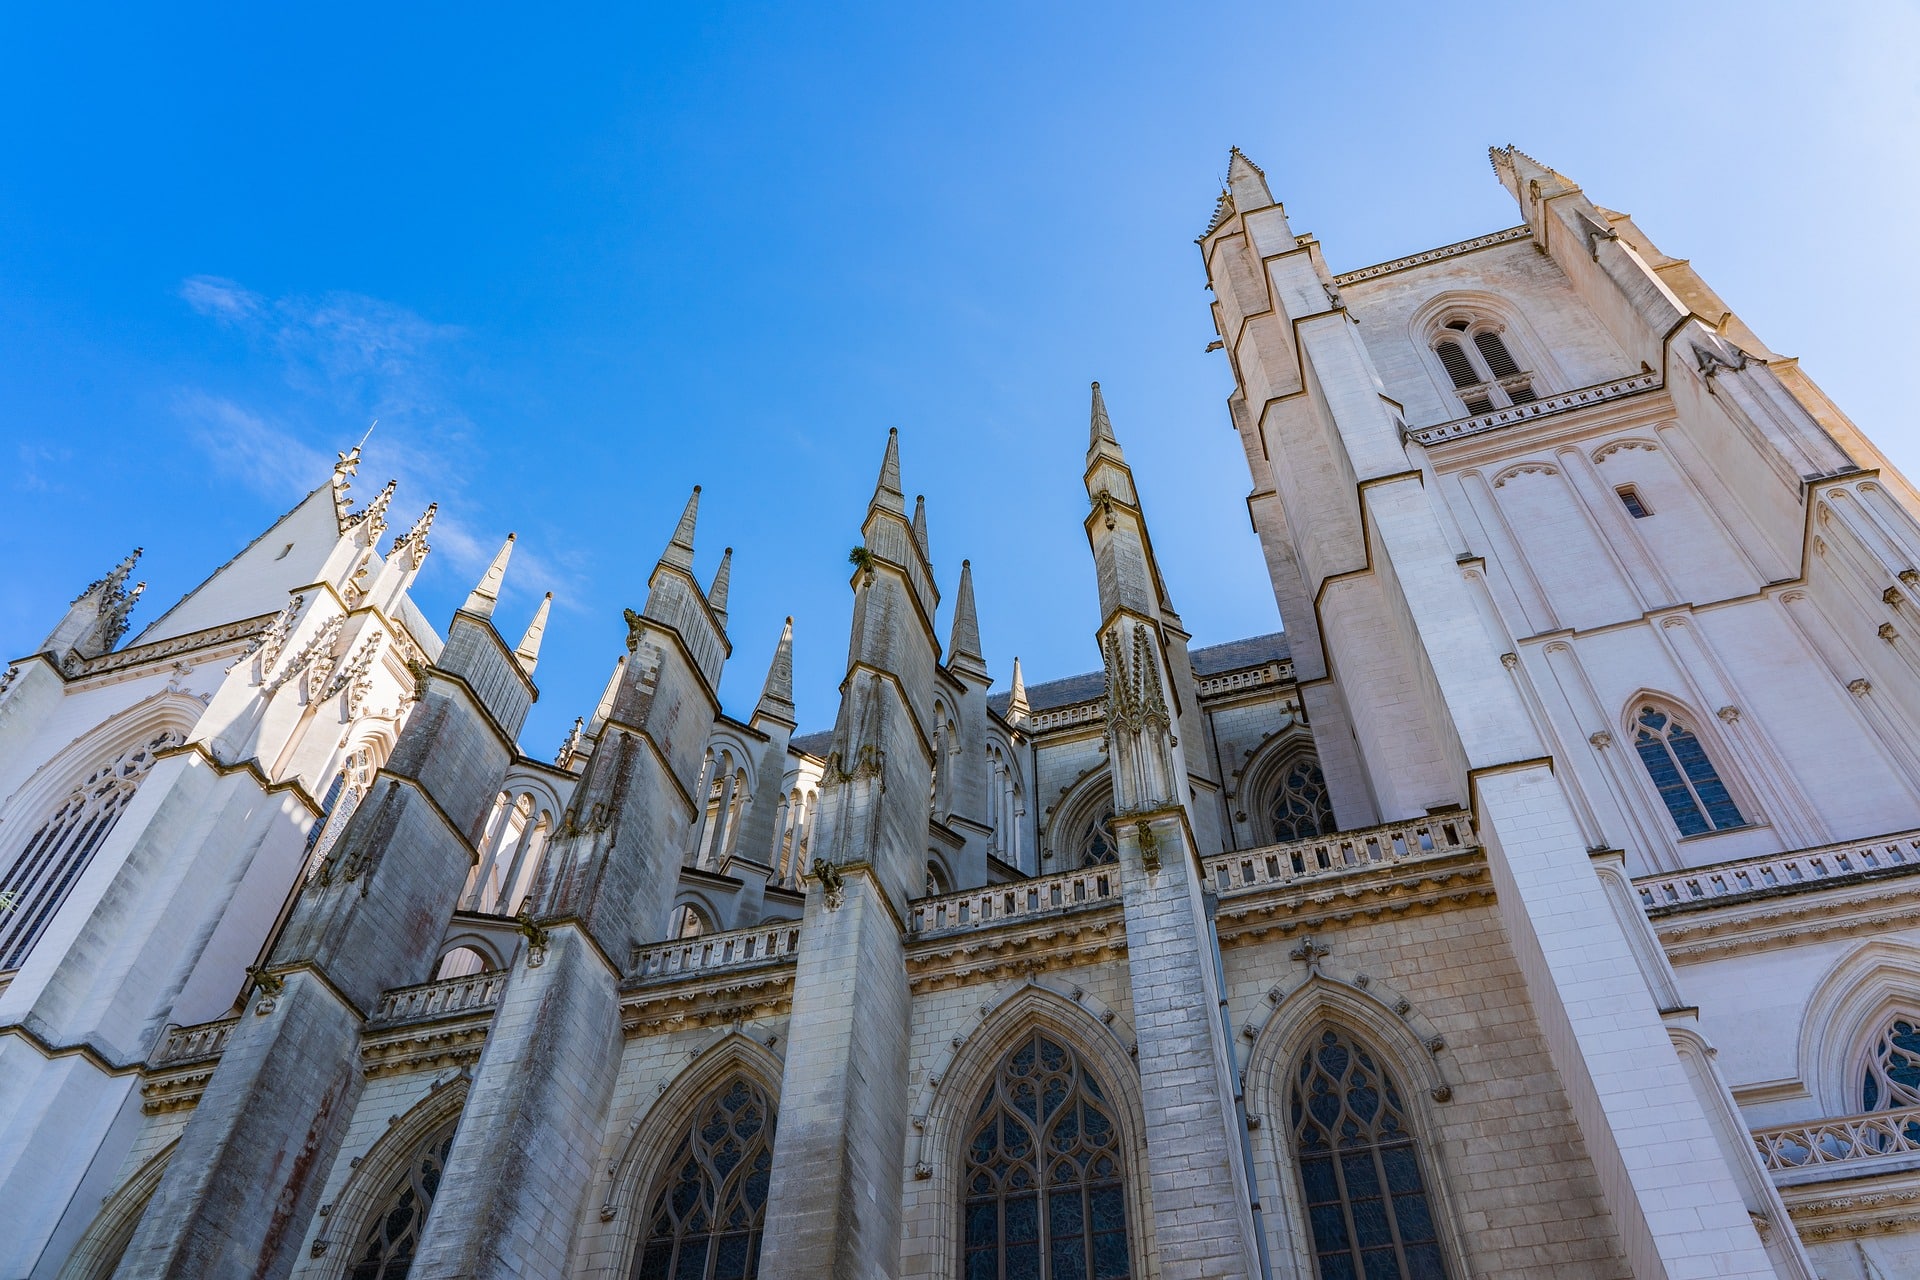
x: 812, y: 744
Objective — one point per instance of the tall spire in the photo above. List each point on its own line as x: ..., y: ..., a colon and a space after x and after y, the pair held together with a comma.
x: 886, y: 490
x: 1101, y: 441
x: 1018, y: 712
x: 776, y: 696
x: 679, y: 552
x: 527, y: 653
x: 1247, y: 183
x: 966, y: 622
x: 717, y: 593
x: 920, y: 526
x: 486, y: 594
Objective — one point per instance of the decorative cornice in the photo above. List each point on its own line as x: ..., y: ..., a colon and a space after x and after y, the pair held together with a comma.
x: 1433, y: 255
x: 1546, y: 406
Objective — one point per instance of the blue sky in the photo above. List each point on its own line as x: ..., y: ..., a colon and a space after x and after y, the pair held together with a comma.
x: 576, y: 262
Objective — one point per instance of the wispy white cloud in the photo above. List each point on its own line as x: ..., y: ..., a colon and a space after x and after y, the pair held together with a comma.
x: 30, y: 460
x: 347, y: 358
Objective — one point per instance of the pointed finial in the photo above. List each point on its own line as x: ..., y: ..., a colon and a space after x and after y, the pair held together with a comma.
x: 966, y: 622
x: 717, y: 593
x: 679, y: 552
x: 776, y: 697
x: 414, y: 541
x: 486, y: 594
x: 1100, y: 437
x: 527, y: 652
x: 1248, y: 183
x: 920, y: 526
x: 1018, y: 712
x: 886, y: 490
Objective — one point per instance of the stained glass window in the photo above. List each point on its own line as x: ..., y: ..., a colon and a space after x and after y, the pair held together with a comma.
x: 711, y: 1202
x: 1893, y: 1069
x: 1045, y: 1199
x: 1360, y: 1175
x: 1097, y: 845
x: 1299, y: 809
x: 386, y: 1250
x: 1681, y: 772
x: 44, y: 872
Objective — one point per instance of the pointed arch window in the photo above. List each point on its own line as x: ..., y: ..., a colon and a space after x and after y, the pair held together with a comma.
x: 1481, y: 366
x: 385, y: 1251
x: 710, y: 1204
x: 45, y: 870
x: 1360, y: 1173
x: 1045, y: 1194
x: 1687, y: 781
x: 1096, y: 846
x: 1892, y: 1075
x: 1297, y: 807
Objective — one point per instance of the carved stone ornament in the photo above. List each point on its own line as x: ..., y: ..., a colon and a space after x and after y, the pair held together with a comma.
x: 1730, y: 714
x: 636, y: 630
x: 1860, y: 687
x: 1600, y: 739
x: 832, y: 884
x: 1149, y: 845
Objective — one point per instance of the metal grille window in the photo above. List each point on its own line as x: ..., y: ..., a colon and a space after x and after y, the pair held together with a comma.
x: 711, y: 1203
x: 1045, y: 1199
x: 1681, y: 772
x: 44, y: 872
x: 1892, y: 1076
x: 1365, y: 1198
x: 1299, y: 809
x: 387, y: 1249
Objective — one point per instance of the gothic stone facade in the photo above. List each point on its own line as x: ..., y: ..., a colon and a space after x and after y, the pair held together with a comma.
x: 1545, y: 898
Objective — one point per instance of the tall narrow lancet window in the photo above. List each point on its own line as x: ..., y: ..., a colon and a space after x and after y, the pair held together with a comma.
x: 385, y: 1251
x: 1045, y: 1198
x: 41, y: 874
x: 710, y: 1203
x: 1360, y: 1176
x: 1298, y: 808
x: 1682, y: 773
x: 1482, y: 367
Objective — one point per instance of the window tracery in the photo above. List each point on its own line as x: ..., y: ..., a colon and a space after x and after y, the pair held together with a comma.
x: 1892, y: 1075
x: 386, y: 1250
x: 1688, y: 784
x: 1360, y: 1175
x: 710, y: 1204
x: 1297, y: 805
x: 47, y: 867
x: 1097, y: 846
x: 1045, y: 1194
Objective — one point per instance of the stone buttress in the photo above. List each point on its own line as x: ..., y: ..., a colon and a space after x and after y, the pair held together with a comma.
x: 241, y: 1187
x: 835, y: 1204
x: 1202, y: 1206
x: 523, y: 1160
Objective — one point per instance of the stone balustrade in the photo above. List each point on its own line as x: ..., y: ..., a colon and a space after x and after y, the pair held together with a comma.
x: 1758, y: 876
x: 201, y: 1042
x: 1348, y: 851
x: 1843, y: 1140
x: 432, y: 1000
x: 1076, y: 713
x: 995, y: 903
x: 1585, y: 396
x: 717, y: 951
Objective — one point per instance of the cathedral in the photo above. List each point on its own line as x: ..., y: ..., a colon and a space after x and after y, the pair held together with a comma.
x: 1544, y: 900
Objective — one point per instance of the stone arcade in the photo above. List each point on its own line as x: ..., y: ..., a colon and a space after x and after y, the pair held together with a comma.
x: 1545, y: 900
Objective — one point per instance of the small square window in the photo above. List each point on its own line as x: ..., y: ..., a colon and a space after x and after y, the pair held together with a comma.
x: 1630, y: 498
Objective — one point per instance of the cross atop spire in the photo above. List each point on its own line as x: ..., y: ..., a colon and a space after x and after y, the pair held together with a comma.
x: 486, y: 593
x: 717, y: 593
x: 886, y: 490
x: 527, y: 652
x: 679, y: 552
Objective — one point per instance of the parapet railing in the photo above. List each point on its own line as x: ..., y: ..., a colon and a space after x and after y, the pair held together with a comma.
x: 1297, y: 860
x: 717, y: 950
x: 201, y: 1042
x: 437, y: 999
x: 1008, y: 901
x: 1782, y: 870
x: 1839, y: 1141
x: 1445, y: 431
